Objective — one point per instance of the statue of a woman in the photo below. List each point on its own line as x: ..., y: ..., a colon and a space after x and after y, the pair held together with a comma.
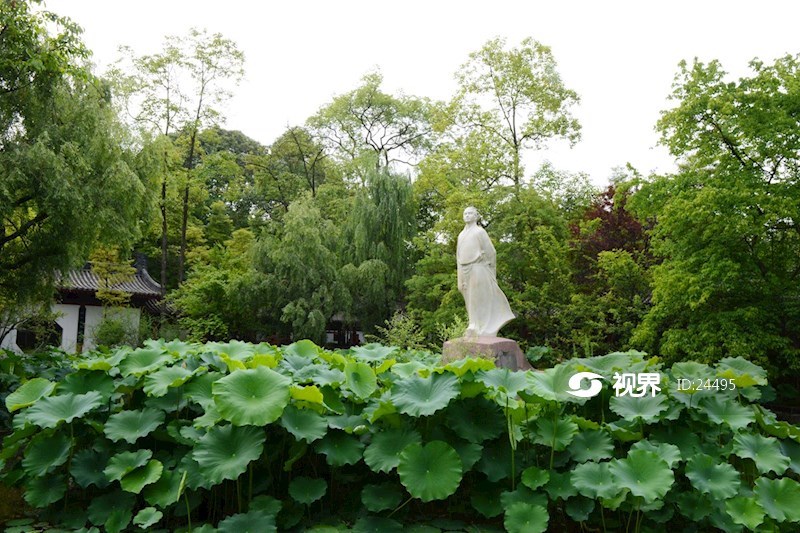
x: 487, y: 306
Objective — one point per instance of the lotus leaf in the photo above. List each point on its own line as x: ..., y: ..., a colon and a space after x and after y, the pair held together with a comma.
x: 648, y: 408
x: 475, y: 419
x: 533, y: 477
x: 225, y: 451
x: 45, y: 490
x: 199, y: 390
x: 764, y: 451
x: 503, y: 380
x: 29, y: 393
x: 553, y: 384
x: 307, y: 490
x: 591, y: 445
x: 668, y: 452
x: 142, y: 361
x: 131, y: 425
x: 780, y: 498
x: 383, y: 453
x: 594, y: 480
x: 51, y: 411
x: 469, y: 452
x: 405, y: 370
x: 340, y: 448
x: 745, y: 511
x: 235, y: 350
x: 147, y: 517
x: 111, y: 510
x: 46, y: 452
x: 86, y: 468
x: 720, y: 409
x: 643, y: 473
x: 252, y: 397
x: 559, y: 486
x: 417, y: 396
x: 377, y: 498
x: 373, y: 352
x: 495, y: 461
x: 125, y: 462
x: 360, y: 379
x: 310, y: 394
x: 557, y: 433
x: 720, y: 480
x: 166, y: 490
x: 377, y: 524
x: 579, y: 508
x: 304, y: 424
x: 159, y: 382
x: 254, y: 521
x: 430, y: 472
x: 82, y: 381
x: 303, y: 348
x: 791, y: 450
x: 136, y: 480
x: 743, y: 371
x: 487, y: 501
x: 469, y: 364
x: 523, y: 518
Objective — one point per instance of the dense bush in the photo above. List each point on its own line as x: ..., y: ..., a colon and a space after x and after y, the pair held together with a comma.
x: 248, y: 437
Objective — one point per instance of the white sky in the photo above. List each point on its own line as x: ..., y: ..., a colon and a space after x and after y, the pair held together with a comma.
x: 619, y: 56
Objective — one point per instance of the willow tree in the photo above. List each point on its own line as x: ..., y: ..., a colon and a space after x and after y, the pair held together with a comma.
x: 376, y: 246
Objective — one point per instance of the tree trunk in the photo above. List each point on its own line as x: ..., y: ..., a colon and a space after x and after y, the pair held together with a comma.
x: 185, y: 214
x: 163, y: 236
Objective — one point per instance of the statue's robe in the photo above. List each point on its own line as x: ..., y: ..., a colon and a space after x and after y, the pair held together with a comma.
x: 487, y: 306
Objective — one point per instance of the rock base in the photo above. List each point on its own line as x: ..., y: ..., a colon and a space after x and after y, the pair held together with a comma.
x: 505, y: 352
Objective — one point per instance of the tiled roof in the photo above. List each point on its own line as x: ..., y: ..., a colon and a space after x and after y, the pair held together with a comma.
x: 140, y: 284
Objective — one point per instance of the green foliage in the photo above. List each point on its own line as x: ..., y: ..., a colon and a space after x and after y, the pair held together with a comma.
x: 217, y: 431
x: 725, y: 223
x: 62, y: 156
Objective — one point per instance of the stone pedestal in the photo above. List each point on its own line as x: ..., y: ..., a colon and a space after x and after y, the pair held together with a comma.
x: 505, y: 352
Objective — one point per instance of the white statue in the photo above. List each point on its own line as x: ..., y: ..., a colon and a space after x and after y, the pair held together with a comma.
x: 487, y: 306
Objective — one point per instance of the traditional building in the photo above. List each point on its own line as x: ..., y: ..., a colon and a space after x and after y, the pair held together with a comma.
x: 79, y: 312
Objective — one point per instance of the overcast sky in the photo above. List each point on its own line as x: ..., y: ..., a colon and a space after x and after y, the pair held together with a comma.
x: 620, y: 57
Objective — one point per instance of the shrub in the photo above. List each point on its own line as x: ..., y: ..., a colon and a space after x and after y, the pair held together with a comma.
x: 242, y: 436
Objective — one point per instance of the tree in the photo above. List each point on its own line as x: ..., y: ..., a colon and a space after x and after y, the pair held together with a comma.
x: 370, y: 126
x: 66, y: 182
x: 515, y: 99
x: 302, y: 270
x: 178, y: 91
x: 727, y: 225
x: 294, y: 163
x: 376, y: 246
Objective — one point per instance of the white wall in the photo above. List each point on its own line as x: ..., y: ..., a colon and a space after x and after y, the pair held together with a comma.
x: 68, y: 320
x: 9, y: 342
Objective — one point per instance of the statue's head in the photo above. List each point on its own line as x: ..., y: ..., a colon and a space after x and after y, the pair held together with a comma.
x: 470, y: 214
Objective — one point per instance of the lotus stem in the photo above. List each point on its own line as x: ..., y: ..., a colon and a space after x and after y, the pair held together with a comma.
x: 400, y: 506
